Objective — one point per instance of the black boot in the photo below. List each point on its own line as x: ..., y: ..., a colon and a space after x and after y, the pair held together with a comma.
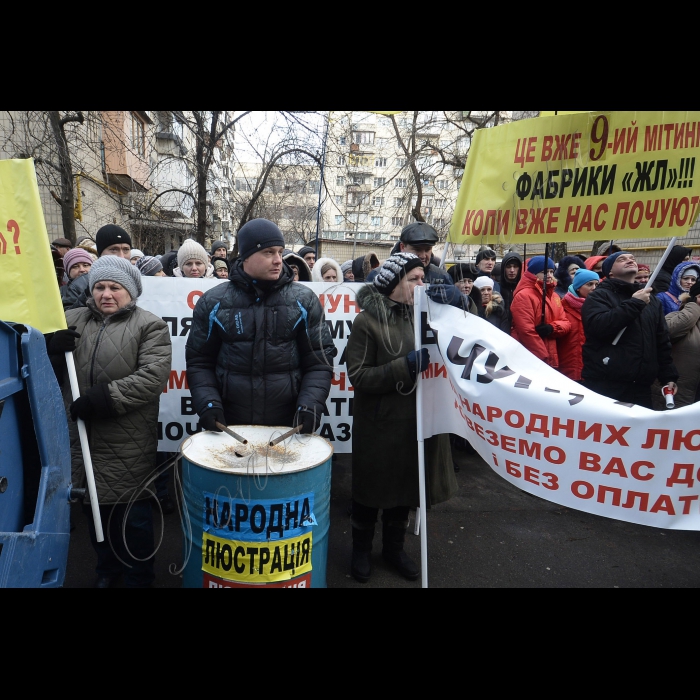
x: 361, y: 565
x: 393, y: 535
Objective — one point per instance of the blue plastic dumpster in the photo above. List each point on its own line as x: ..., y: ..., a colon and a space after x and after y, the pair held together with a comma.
x: 35, y: 471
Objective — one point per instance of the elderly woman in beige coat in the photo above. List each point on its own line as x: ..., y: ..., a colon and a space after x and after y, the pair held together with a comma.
x: 122, y: 357
x: 684, y: 329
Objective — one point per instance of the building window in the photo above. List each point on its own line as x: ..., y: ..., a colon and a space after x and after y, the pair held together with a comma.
x: 339, y: 199
x: 343, y: 140
x: 138, y: 135
x: 358, y: 179
x: 380, y: 163
x: 376, y: 221
x: 314, y: 186
x: 340, y: 181
x: 400, y: 182
x: 441, y: 184
x: 378, y: 201
x: 341, y: 160
x: 398, y: 201
x: 338, y: 219
x: 439, y: 223
x: 363, y: 137
x: 401, y: 162
x: 242, y: 185
x: 396, y: 220
x: 379, y: 181
x: 224, y: 170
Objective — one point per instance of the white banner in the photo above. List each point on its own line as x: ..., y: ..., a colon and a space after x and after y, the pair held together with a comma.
x: 550, y: 436
x: 174, y: 299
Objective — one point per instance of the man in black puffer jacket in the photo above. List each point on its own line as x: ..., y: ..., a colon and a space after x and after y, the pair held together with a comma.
x: 626, y: 370
x: 259, y: 351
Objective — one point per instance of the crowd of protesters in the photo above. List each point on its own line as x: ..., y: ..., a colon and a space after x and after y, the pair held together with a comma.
x: 594, y: 319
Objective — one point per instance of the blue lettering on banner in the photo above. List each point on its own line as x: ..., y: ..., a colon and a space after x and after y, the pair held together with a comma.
x: 257, y: 520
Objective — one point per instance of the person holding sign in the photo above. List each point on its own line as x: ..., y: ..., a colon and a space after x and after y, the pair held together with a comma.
x: 122, y: 357
x: 260, y: 351
x: 538, y: 328
x: 624, y: 368
x: 383, y: 364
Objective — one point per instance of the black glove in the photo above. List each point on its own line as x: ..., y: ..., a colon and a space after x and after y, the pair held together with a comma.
x: 63, y: 341
x: 544, y: 329
x: 94, y: 403
x: 209, y: 418
x: 310, y: 419
x: 418, y: 362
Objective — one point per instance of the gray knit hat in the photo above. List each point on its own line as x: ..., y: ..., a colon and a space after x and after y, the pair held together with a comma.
x: 393, y: 269
x: 149, y: 266
x: 191, y: 250
x: 119, y: 270
x: 346, y: 266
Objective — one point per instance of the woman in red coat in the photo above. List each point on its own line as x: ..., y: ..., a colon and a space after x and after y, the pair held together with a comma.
x: 538, y: 337
x: 571, y: 345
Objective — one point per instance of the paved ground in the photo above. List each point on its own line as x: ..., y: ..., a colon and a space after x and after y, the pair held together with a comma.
x: 490, y: 535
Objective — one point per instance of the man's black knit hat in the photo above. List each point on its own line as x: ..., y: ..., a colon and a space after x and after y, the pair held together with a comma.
x: 110, y: 234
x: 257, y: 235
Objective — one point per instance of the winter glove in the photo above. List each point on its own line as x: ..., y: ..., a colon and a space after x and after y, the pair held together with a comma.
x: 544, y: 329
x: 444, y: 294
x: 63, y: 341
x: 418, y: 361
x: 94, y: 403
x: 209, y: 418
x: 310, y: 420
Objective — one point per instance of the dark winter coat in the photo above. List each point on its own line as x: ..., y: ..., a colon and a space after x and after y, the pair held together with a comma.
x: 684, y: 331
x: 643, y: 352
x: 384, y: 447
x: 362, y: 266
x: 670, y: 299
x: 128, y: 354
x: 507, y: 287
x: 562, y: 276
x: 76, y: 294
x: 259, y: 354
x: 526, y: 312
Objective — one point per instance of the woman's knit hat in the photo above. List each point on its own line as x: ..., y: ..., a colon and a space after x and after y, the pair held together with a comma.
x: 191, y: 250
x: 483, y: 281
x: 74, y: 256
x: 346, y: 267
x: 149, y: 266
x: 220, y: 263
x: 393, y: 269
x: 119, y: 270
x: 581, y: 277
x: 536, y: 264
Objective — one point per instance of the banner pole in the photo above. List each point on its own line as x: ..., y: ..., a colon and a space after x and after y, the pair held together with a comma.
x: 419, y: 295
x: 652, y: 277
x: 544, y: 281
x: 87, y: 459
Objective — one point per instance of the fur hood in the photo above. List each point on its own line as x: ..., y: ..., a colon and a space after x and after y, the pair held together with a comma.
x: 318, y: 266
x: 362, y: 266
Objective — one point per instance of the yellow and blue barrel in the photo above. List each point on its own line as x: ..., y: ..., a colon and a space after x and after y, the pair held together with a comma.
x: 256, y: 515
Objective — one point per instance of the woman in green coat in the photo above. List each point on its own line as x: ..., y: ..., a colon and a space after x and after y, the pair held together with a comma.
x: 383, y: 365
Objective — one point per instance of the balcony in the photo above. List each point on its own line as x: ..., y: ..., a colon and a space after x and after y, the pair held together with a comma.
x: 127, y: 150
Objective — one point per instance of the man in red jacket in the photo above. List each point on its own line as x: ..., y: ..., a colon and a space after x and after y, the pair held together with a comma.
x: 539, y: 337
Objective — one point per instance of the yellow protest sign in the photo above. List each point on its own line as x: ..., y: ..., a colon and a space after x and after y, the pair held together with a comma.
x: 29, y: 293
x: 577, y: 177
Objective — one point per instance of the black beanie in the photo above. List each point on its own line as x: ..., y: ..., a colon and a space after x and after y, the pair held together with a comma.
x: 217, y: 245
x: 305, y: 251
x: 110, y: 235
x: 256, y: 235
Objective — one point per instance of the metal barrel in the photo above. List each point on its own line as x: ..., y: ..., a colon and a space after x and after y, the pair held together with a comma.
x: 257, y: 516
